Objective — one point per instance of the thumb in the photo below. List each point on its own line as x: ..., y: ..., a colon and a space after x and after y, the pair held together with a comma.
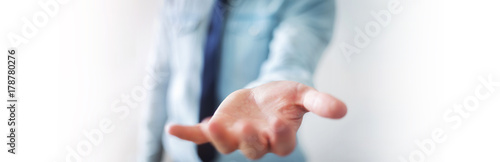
x: 322, y: 104
x: 190, y: 133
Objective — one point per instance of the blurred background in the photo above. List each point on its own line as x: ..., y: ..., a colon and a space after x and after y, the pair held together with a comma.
x: 91, y: 55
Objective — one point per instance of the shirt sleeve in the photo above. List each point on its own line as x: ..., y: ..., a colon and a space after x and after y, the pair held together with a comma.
x: 154, y: 113
x: 298, y: 42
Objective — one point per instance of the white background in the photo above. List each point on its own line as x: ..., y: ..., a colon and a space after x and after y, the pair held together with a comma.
x: 397, y: 89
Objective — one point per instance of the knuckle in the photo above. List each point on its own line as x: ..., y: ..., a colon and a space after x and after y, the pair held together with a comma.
x: 285, y: 150
x: 284, y: 144
x: 246, y: 128
x: 253, y: 147
x: 253, y: 153
x: 278, y: 127
x: 213, y: 128
x: 224, y: 147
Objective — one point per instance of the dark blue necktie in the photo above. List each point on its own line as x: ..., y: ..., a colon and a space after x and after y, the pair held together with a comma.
x: 208, y: 102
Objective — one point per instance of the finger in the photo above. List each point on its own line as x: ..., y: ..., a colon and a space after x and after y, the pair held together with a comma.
x: 252, y: 144
x: 321, y: 104
x: 281, y: 138
x: 190, y: 133
x: 220, y: 137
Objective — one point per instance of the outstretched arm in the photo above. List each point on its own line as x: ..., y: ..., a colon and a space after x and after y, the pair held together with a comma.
x: 266, y: 116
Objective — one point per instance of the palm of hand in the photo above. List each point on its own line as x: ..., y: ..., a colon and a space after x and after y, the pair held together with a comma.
x: 261, y: 120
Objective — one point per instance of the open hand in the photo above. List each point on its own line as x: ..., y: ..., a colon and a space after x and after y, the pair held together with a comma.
x: 262, y: 119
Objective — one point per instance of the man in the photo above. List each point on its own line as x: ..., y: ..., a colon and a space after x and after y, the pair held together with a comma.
x: 257, y: 58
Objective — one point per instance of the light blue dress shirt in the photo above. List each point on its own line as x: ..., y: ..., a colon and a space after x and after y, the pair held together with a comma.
x: 264, y: 41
